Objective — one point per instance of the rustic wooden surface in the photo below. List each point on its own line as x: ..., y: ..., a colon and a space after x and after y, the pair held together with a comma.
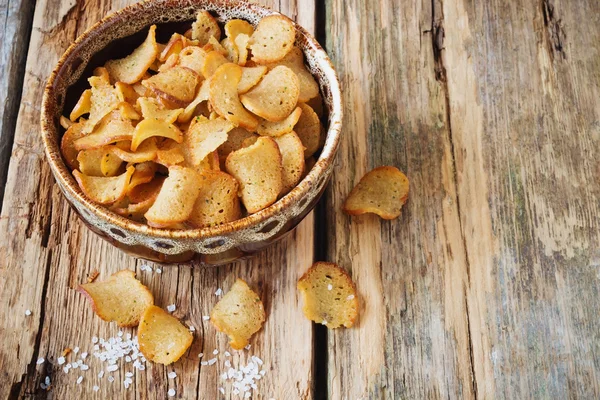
x: 488, y: 285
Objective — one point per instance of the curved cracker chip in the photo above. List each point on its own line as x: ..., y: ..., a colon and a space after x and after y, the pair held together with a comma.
x: 205, y: 137
x: 104, y: 190
x: 113, y: 128
x: 90, y: 161
x: 308, y: 129
x: 145, y: 152
x: 292, y: 155
x: 153, y: 108
x: 235, y: 139
x: 234, y: 27
x: 176, y: 85
x: 382, y: 191
x: 268, y: 128
x: 149, y: 190
x: 239, y: 314
x: 83, y: 105
x: 177, y: 196
x: 275, y: 96
x: 218, y: 201
x: 212, y: 62
x: 273, y: 38
x: 154, y: 127
x: 258, y: 168
x: 133, y: 67
x: 232, y: 53
x: 329, y: 295
x: 170, y: 153
x: 144, y: 173
x: 224, y: 96
x: 294, y: 60
x: 104, y: 99
x: 163, y: 338
x: 241, y: 44
x: 202, y: 95
x: 120, y: 298
x: 192, y: 57
x: 174, y: 46
x: 205, y: 27
x: 67, y: 144
x: 250, y: 78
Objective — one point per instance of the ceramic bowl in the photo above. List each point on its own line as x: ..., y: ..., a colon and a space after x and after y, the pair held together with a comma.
x: 114, y: 37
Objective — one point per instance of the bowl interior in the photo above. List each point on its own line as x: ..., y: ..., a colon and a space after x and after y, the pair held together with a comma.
x: 115, y: 37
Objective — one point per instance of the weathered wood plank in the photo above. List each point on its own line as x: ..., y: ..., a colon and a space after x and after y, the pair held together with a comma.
x: 45, y: 252
x: 524, y: 85
x: 17, y: 17
x: 412, y: 337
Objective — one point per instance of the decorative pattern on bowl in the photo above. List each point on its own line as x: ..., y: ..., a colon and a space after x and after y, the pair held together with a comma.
x: 254, y: 231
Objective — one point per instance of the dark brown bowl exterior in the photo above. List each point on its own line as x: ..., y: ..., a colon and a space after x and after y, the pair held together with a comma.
x: 113, y: 37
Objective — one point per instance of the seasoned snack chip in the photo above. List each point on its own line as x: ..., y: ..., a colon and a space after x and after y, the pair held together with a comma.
x: 232, y: 53
x: 202, y: 95
x: 292, y: 155
x: 145, y: 191
x: 120, y: 298
x: 110, y: 164
x: 65, y: 122
x: 329, y: 295
x: 83, y: 105
x: 235, y: 138
x: 145, y: 151
x: 212, y: 62
x: 250, y: 78
x: 174, y: 46
x: 104, y: 99
x: 90, y: 161
x: 294, y: 60
x: 170, y: 153
x: 193, y: 58
x: 205, y: 137
x: 153, y: 109
x: 218, y: 200
x: 275, y: 97
x: 241, y: 46
x: 205, y: 27
x: 67, y: 144
x: 113, y: 128
x: 273, y: 38
x: 177, y: 196
x: 176, y: 85
x: 383, y: 191
x: 234, y: 27
x: 163, y: 338
x: 268, y: 128
x: 133, y: 67
x: 239, y: 314
x: 104, y: 190
x: 154, y: 127
x: 308, y: 129
x: 224, y: 96
x: 258, y: 169
x: 144, y: 173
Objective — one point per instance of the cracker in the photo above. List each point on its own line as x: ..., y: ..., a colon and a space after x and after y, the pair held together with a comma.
x: 232, y: 53
x: 153, y: 108
x: 294, y: 60
x: 163, y: 339
x: 121, y: 298
x: 273, y: 38
x: 250, y: 78
x: 192, y: 57
x: 83, y: 106
x: 268, y: 128
x: 176, y: 85
x: 104, y: 190
x: 104, y: 99
x: 174, y: 46
x: 154, y: 128
x: 67, y: 144
x: 170, y: 153
x: 258, y: 169
x: 145, y: 151
x: 133, y: 67
x: 205, y: 137
x: 205, y: 27
x: 218, y: 201
x: 239, y: 314
x: 202, y: 95
x: 292, y: 155
x: 234, y: 27
x: 235, y: 138
x: 329, y: 295
x: 113, y: 128
x: 382, y: 191
x: 308, y: 129
x: 224, y: 96
x: 212, y: 61
x: 275, y: 96
x: 241, y: 44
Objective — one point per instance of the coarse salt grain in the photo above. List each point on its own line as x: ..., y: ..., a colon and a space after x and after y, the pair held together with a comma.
x: 192, y: 329
x: 204, y: 363
x: 215, y: 352
x: 28, y: 312
x: 227, y: 354
x: 128, y: 374
x: 222, y: 390
x: 248, y: 347
x: 84, y: 355
x: 40, y: 361
x: 324, y: 322
x: 111, y: 378
x: 79, y: 380
x: 219, y: 292
x: 112, y: 368
x: 76, y: 350
x: 94, y: 339
x: 96, y: 388
x: 171, y: 392
x: 227, y: 363
x: 330, y: 287
x: 47, y: 381
x: 158, y: 271
x: 100, y: 374
x: 200, y: 355
x: 172, y: 375
x: 212, y: 361
x: 120, y: 334
x: 205, y: 317
x: 171, y: 308
x: 60, y: 360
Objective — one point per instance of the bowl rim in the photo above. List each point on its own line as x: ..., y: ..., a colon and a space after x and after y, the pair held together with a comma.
x: 67, y: 182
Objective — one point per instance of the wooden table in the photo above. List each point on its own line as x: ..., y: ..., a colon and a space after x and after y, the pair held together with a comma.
x: 487, y: 286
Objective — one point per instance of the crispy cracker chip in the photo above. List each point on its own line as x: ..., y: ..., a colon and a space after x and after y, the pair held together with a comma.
x: 144, y: 173
x: 205, y: 137
x: 241, y: 46
x: 176, y: 199
x: 232, y: 53
x: 134, y: 211
x: 239, y: 314
x: 202, y: 95
x: 104, y: 190
x: 234, y: 27
x: 170, y: 153
x: 110, y: 164
x: 154, y: 127
x: 90, y: 161
x: 128, y: 111
x: 250, y: 78
x: 235, y: 138
x: 145, y: 152
x: 273, y: 38
x: 120, y: 298
x: 205, y: 27
x: 216, y: 46
x: 113, y: 128
x: 258, y: 168
x: 294, y: 60
x: 152, y: 108
x: 67, y: 144
x: 192, y: 57
x: 212, y: 61
x: 102, y: 73
x: 145, y: 191
x: 65, y: 122
x: 383, y: 191
x: 176, y: 85
x: 308, y: 129
x: 162, y: 338
x: 224, y: 96
x: 292, y: 155
x: 329, y: 295
x: 268, y: 128
x: 275, y: 96
x: 83, y: 105
x: 133, y: 67
x: 174, y: 46
x: 217, y: 202
x: 104, y: 99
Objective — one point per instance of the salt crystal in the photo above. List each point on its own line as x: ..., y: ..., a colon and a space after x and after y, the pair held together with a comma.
x: 112, y: 368
x: 120, y: 334
x: 235, y: 391
x: 28, y: 312
x: 212, y: 361
x: 66, y: 370
x: 171, y: 308
x: 205, y: 317
x: 127, y: 359
x: 247, y: 395
x: 100, y: 374
x: 84, y: 367
x: 111, y: 378
x: 228, y: 363
x: 94, y: 339
x: 171, y: 392
x: 84, y: 355
x: 128, y: 336
x: 330, y: 287
x: 79, y: 380
x: 227, y: 354
x: 40, y: 361
x: 158, y: 271
x: 222, y: 390
x: 350, y: 297
x: 60, y: 360
x: 96, y: 388
x: 219, y: 292
x: 172, y: 375
x: 43, y: 386
x: 47, y: 381
x: 200, y: 355
x: 76, y: 350
x: 192, y: 329
x: 215, y: 352
x: 129, y: 374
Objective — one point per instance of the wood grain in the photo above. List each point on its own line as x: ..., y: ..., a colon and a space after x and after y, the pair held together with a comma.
x: 412, y: 338
x: 45, y: 252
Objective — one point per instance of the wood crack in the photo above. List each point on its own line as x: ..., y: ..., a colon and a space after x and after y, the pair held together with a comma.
x: 554, y: 33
